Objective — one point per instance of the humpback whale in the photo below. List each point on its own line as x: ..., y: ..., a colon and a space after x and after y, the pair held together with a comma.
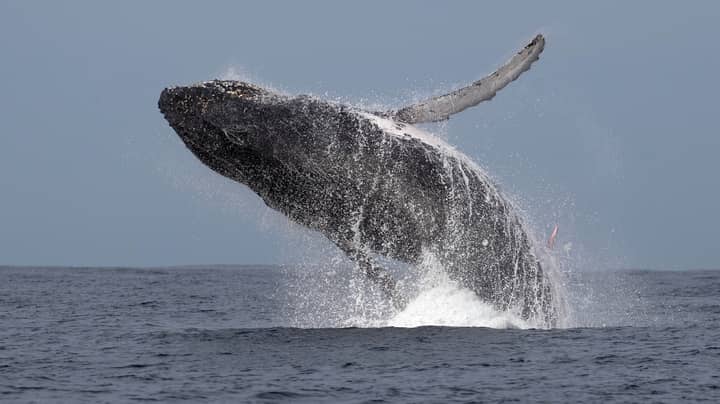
x: 372, y: 182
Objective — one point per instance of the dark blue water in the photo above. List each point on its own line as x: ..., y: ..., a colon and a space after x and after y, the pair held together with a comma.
x: 225, y: 335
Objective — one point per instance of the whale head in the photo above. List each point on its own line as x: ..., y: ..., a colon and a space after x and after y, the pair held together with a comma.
x: 220, y: 119
x: 279, y: 146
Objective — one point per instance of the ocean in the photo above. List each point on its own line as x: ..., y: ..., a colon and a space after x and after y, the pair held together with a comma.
x: 282, y: 334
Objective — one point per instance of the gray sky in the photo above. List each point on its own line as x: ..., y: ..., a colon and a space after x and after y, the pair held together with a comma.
x: 612, y: 133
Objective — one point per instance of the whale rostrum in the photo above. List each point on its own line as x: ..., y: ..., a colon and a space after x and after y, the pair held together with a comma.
x: 372, y: 182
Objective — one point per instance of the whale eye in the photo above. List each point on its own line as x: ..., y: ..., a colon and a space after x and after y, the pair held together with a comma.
x: 237, y: 135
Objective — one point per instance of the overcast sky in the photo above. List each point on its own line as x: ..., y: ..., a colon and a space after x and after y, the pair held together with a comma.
x: 613, y: 133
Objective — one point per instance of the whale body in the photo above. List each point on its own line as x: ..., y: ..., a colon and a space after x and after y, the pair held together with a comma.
x: 372, y: 182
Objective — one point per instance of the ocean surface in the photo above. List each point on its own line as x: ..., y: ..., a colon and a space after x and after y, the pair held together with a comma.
x: 273, y: 334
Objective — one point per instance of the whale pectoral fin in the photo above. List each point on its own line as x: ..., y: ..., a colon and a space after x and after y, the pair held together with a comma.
x: 441, y: 107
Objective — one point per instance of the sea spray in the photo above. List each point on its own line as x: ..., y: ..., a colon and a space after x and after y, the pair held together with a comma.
x: 334, y: 294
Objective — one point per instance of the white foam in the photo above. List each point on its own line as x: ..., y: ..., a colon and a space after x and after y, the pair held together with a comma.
x: 453, y: 306
x: 441, y: 301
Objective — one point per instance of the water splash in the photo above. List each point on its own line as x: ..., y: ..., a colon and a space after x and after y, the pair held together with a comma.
x: 337, y: 295
x: 441, y: 301
x: 453, y: 306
